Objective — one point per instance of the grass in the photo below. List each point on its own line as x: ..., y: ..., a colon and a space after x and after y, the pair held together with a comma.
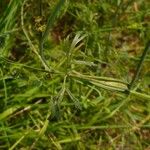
x: 74, y: 75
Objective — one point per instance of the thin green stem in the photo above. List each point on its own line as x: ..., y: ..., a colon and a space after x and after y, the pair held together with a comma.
x: 29, y: 40
x: 29, y: 67
x: 50, y: 23
x: 5, y: 89
x: 139, y: 66
x: 51, y: 19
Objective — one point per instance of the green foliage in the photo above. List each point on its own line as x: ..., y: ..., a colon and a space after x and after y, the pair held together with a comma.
x: 68, y: 77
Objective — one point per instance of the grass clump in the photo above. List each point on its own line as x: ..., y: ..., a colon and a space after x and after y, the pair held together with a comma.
x: 74, y: 74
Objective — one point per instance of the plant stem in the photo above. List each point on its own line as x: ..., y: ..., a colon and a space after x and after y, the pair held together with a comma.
x: 50, y: 23
x: 139, y: 66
